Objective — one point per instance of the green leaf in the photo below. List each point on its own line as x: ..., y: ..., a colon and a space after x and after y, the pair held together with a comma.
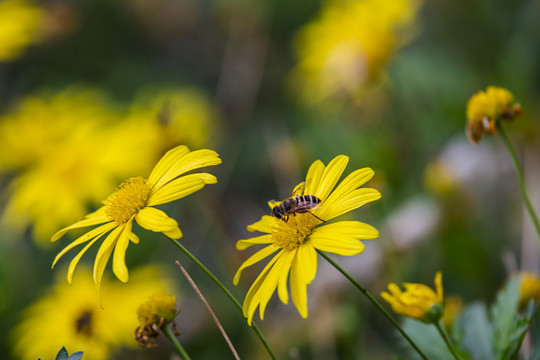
x: 76, y: 356
x: 504, y: 314
x: 62, y: 354
x: 428, y: 340
x: 477, y: 332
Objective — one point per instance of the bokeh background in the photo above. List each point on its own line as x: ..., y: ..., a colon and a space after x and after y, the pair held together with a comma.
x: 93, y: 92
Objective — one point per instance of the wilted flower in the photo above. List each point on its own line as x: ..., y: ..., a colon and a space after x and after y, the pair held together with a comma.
x: 70, y: 316
x: 298, y: 238
x: 418, y: 301
x: 158, y: 311
x: 134, y: 201
x: 485, y: 109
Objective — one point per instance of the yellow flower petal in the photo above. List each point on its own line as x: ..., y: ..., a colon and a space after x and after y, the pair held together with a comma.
x: 166, y: 162
x: 119, y: 256
x: 307, y: 260
x: 77, y: 258
x: 439, y: 286
x: 255, y: 258
x: 104, y: 253
x: 94, y: 233
x: 179, y: 188
x: 330, y: 177
x: 282, y: 266
x: 299, y: 288
x: 158, y: 221
x: 342, y: 237
x: 193, y: 160
x: 252, y: 297
x: 244, y: 244
x: 95, y: 218
x: 313, y: 177
x: 351, y: 201
x: 265, y: 225
x: 353, y: 181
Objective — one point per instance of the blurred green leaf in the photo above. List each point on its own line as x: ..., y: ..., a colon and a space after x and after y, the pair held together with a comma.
x: 477, y: 330
x: 504, y: 314
x: 428, y: 339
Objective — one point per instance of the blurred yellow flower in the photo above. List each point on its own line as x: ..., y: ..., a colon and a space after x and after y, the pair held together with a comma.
x: 133, y: 201
x: 453, y: 307
x: 66, y: 151
x: 530, y: 288
x: 177, y: 116
x: 70, y: 316
x: 298, y: 238
x: 348, y: 44
x: 484, y: 109
x: 19, y: 25
x: 418, y: 301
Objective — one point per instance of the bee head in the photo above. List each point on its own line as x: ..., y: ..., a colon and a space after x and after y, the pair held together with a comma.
x: 277, y: 212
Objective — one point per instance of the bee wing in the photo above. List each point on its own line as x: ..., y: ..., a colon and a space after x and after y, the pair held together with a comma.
x: 299, y: 189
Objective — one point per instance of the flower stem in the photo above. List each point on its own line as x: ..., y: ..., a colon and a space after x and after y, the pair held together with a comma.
x: 375, y: 302
x: 167, y: 331
x: 212, y: 314
x: 226, y: 291
x: 521, y: 178
x: 447, y: 341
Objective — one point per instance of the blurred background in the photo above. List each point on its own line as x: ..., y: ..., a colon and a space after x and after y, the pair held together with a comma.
x: 93, y: 92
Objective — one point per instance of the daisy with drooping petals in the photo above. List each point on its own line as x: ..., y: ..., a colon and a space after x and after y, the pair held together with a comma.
x: 297, y: 239
x: 133, y: 201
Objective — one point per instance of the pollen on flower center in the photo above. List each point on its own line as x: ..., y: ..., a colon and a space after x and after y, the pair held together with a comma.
x: 128, y: 199
x: 296, y: 231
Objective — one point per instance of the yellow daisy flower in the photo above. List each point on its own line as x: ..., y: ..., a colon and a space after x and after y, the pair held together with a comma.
x: 19, y: 25
x: 297, y: 239
x: 63, y: 152
x: 348, y: 44
x: 70, y: 316
x: 418, y: 301
x: 133, y: 201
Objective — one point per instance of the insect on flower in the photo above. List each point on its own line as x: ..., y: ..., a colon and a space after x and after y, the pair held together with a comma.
x: 296, y: 203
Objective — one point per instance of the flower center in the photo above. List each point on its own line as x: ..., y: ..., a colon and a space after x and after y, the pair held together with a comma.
x: 83, y: 324
x: 128, y: 199
x: 296, y: 231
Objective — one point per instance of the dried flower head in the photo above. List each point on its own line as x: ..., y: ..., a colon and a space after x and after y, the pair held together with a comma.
x: 155, y: 313
x: 486, y: 108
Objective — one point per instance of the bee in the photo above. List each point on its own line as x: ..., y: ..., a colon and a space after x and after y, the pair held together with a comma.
x: 296, y: 203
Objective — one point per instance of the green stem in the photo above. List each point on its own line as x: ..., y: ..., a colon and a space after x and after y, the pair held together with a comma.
x: 375, y: 302
x: 167, y: 331
x: 447, y: 341
x: 226, y: 291
x: 521, y: 178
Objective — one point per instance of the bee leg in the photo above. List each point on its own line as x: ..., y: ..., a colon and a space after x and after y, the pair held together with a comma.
x: 317, y: 217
